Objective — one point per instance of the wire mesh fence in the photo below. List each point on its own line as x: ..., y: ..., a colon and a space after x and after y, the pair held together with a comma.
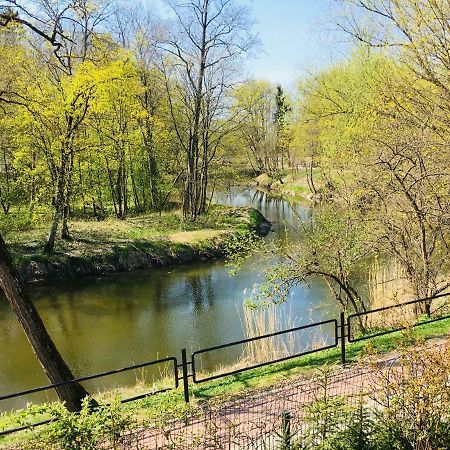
x: 270, y: 419
x: 302, y: 413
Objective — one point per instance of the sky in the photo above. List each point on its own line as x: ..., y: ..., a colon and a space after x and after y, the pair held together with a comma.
x: 295, y: 39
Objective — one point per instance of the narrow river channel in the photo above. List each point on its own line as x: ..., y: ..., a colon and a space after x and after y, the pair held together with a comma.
x: 109, y: 322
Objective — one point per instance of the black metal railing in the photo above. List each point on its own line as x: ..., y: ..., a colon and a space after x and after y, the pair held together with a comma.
x: 357, y: 335
x: 197, y: 379
x: 342, y: 331
x: 92, y: 377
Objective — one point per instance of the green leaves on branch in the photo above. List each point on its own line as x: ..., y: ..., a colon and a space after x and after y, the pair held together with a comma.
x: 87, y: 430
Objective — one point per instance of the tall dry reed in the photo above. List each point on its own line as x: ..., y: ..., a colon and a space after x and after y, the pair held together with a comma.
x: 259, y: 321
x: 388, y: 285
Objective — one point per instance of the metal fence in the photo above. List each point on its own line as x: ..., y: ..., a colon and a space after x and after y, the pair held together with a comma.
x: 354, y: 328
x: 198, y: 379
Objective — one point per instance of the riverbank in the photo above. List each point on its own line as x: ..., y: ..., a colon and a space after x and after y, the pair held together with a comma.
x: 290, y: 187
x: 145, y: 241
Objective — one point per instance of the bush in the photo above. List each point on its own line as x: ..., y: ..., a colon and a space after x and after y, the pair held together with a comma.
x: 412, y: 412
x: 87, y: 430
x: 416, y: 401
x: 15, y: 222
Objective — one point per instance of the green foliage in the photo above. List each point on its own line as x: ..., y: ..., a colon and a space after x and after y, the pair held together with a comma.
x: 333, y: 423
x: 15, y: 222
x: 333, y: 246
x: 361, y: 124
x: 241, y: 246
x: 92, y: 131
x: 265, y: 132
x: 87, y: 429
x: 411, y: 413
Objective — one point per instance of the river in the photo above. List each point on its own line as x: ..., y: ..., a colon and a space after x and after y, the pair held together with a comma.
x: 108, y: 322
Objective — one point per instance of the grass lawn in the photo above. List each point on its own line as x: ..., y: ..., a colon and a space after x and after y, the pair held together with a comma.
x: 151, y: 226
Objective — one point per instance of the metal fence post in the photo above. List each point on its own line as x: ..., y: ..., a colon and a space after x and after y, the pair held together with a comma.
x: 343, y: 336
x: 184, y: 368
x: 285, y: 430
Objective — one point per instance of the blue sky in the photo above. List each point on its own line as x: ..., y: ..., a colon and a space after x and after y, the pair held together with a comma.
x: 294, y: 36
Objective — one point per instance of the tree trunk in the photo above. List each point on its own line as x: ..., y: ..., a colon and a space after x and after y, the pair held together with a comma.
x: 65, y: 234
x: 152, y: 176
x: 45, y: 350
x: 59, y: 205
x: 191, y: 197
x: 60, y: 198
x: 111, y: 187
x: 310, y: 178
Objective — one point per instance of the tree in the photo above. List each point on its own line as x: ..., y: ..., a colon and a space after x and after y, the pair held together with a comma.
x: 384, y: 154
x: 199, y: 65
x: 255, y: 101
x: 412, y: 140
x: 139, y: 31
x: 283, y: 135
x: 264, y: 126
x: 51, y: 360
x: 334, y: 246
x: 416, y: 33
x: 408, y: 186
x: 79, y: 48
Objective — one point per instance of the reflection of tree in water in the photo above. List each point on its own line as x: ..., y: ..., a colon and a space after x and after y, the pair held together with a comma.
x: 258, y: 199
x: 193, y: 286
x: 202, y: 292
x: 9, y: 327
x: 157, y: 289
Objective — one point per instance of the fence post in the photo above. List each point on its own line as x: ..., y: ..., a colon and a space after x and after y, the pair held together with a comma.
x: 285, y: 430
x: 184, y: 368
x: 343, y: 338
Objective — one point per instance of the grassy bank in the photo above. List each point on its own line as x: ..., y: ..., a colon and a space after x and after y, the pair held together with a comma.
x: 291, y: 186
x: 139, y: 242
x: 171, y: 404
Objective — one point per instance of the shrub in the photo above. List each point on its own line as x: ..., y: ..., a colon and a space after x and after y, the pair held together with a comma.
x: 412, y: 409
x: 87, y: 430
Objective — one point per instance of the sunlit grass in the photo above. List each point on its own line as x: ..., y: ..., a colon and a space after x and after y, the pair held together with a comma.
x: 153, y: 233
x: 171, y: 404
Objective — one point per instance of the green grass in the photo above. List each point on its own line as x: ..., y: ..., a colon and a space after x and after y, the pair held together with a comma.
x: 145, y: 226
x: 153, y: 233
x: 293, y: 188
x: 272, y: 374
x: 171, y: 404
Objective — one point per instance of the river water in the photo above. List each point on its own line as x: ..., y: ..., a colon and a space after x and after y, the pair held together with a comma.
x: 108, y: 322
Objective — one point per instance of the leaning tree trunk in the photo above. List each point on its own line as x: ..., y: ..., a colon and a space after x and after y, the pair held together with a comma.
x: 45, y: 350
